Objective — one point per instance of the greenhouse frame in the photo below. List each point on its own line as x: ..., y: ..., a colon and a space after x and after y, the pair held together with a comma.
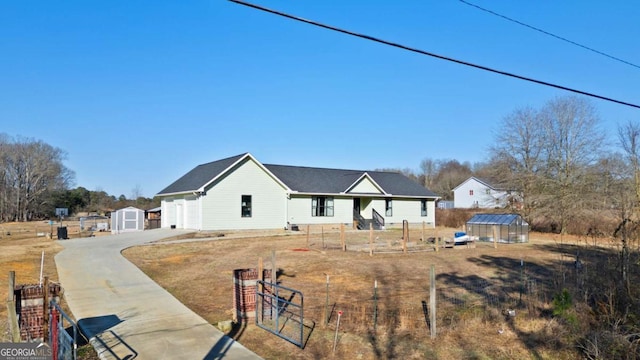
x: 505, y: 228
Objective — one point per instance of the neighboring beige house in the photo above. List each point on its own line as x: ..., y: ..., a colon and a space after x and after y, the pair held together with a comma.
x: 241, y: 193
x: 477, y: 193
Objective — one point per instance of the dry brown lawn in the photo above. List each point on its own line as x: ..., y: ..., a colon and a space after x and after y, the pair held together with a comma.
x: 21, y: 248
x: 200, y: 274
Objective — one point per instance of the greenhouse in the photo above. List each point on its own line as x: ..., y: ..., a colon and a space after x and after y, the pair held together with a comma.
x: 503, y: 228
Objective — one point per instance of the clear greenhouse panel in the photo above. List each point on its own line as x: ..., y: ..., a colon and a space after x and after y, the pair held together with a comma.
x: 502, y: 228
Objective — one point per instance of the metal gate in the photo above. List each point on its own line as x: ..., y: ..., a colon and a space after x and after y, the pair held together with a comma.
x: 64, y: 346
x: 280, y: 311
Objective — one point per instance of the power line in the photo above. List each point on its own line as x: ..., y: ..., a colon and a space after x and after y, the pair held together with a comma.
x: 404, y: 47
x: 550, y: 34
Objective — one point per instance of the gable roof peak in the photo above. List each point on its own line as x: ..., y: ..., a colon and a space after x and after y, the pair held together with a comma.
x: 234, y: 157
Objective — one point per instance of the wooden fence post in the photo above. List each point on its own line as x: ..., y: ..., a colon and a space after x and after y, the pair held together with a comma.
x: 343, y: 243
x: 326, y: 304
x: 495, y: 238
x: 274, y: 269
x: 437, y: 241
x: 375, y: 305
x: 11, y: 309
x: 432, y: 301
x: 45, y: 309
x: 12, y: 285
x: 370, y: 240
x: 307, y: 236
x: 405, y: 240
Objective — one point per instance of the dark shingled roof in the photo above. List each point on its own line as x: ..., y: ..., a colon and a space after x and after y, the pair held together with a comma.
x: 304, y: 179
x: 398, y: 184
x: 314, y: 180
x: 200, y: 175
x: 333, y: 181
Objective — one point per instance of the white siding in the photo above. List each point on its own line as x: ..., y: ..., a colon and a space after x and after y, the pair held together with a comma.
x: 474, y: 194
x: 299, y: 210
x: 365, y: 186
x: 410, y: 210
x: 168, y: 212
x: 221, y: 206
x: 366, y: 204
x: 191, y: 212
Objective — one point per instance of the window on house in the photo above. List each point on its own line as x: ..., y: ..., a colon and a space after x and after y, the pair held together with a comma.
x: 321, y: 206
x: 423, y: 207
x: 488, y: 191
x: 246, y: 205
x: 388, y: 207
x: 470, y: 192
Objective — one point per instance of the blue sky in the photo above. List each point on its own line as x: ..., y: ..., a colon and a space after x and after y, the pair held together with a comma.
x: 138, y: 93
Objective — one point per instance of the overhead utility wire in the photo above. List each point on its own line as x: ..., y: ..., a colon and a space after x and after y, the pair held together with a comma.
x: 550, y: 34
x: 367, y: 37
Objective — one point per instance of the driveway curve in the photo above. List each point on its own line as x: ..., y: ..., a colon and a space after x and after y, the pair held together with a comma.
x: 125, y: 314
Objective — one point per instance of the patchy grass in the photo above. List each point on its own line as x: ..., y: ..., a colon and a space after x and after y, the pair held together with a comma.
x: 21, y: 247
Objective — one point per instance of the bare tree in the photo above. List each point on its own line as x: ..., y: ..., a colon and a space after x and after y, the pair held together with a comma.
x: 545, y: 155
x: 136, y: 193
x: 429, y: 169
x: 517, y: 157
x: 451, y: 173
x: 629, y: 139
x: 29, y: 171
x: 572, y: 142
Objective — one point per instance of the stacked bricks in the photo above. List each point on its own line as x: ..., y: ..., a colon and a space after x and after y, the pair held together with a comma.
x: 30, y: 309
x: 245, y: 286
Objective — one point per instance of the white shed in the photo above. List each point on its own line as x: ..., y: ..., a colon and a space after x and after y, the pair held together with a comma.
x: 127, y: 219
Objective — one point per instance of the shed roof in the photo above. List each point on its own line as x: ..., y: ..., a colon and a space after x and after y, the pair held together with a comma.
x: 496, y: 219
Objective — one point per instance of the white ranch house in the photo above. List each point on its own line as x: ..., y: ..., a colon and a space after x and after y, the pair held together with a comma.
x: 478, y: 193
x: 241, y: 193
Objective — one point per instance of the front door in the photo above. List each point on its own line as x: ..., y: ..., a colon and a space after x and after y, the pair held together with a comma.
x: 356, y: 205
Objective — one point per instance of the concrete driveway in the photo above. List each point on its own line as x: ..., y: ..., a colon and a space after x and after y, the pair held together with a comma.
x: 125, y: 314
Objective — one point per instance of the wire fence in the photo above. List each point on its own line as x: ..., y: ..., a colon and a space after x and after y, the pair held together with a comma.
x: 410, y: 312
x: 417, y: 238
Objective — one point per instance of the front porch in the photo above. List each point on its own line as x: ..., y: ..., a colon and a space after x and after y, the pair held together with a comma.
x: 362, y: 207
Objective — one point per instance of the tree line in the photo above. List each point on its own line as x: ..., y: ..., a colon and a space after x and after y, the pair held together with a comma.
x: 568, y: 174
x: 34, y: 182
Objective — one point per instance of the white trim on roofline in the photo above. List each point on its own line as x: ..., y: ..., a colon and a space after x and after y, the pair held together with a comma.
x: 476, y: 179
x: 260, y: 165
x: 373, y: 195
x: 358, y: 180
x: 192, y: 192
